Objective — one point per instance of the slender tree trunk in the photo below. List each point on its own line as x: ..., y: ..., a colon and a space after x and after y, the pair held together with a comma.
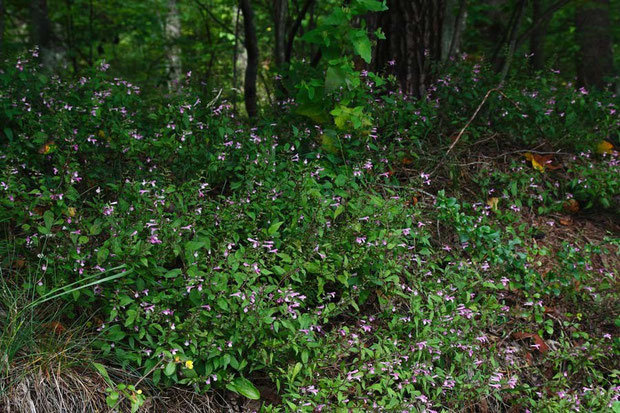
x: 544, y: 16
x: 413, y: 30
x: 512, y: 42
x: 1, y: 27
x: 461, y: 23
x: 595, y: 56
x: 41, y: 32
x: 538, y: 36
x: 173, y: 32
x: 448, y: 29
x: 251, y: 46
x: 295, y: 28
x: 235, y: 51
x: 279, y: 18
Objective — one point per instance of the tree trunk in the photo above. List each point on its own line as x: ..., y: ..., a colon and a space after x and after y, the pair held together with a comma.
x: 295, y: 28
x: 448, y: 29
x: 413, y: 30
x: 1, y: 26
x: 595, y: 56
x: 512, y: 42
x: 41, y: 32
x: 537, y: 41
x: 461, y: 22
x: 251, y: 46
x: 454, y: 23
x: 279, y: 19
x: 173, y: 32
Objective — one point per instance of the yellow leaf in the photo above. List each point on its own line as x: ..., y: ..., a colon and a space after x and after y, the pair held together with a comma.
x: 47, y: 148
x: 604, y: 147
x: 534, y: 159
x: 537, y: 166
x: 492, y: 202
x: 71, y: 211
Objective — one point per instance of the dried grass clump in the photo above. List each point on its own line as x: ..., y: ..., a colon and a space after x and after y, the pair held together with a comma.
x: 41, y: 391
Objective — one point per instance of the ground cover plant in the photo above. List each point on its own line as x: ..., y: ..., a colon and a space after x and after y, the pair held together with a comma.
x: 355, y: 246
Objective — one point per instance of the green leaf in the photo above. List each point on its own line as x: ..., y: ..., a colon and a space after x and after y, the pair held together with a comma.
x: 339, y: 210
x: 112, y: 399
x: 9, y: 134
x: 362, y: 45
x: 170, y: 368
x: 173, y: 273
x: 102, y: 255
x: 115, y: 333
x: 335, y: 77
x: 48, y: 217
x: 296, y: 370
x: 244, y: 387
x: 102, y: 370
x: 364, y: 6
x: 273, y: 228
x: 131, y: 317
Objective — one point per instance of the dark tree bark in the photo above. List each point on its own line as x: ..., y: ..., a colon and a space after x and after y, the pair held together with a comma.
x: 537, y: 40
x: 595, y: 56
x: 280, y: 15
x: 413, y: 30
x: 1, y: 26
x: 251, y: 46
x: 295, y: 28
x: 461, y: 22
x: 512, y: 42
x: 544, y: 16
x: 41, y: 31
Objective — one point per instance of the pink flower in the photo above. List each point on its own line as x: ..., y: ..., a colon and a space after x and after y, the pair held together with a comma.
x: 154, y: 240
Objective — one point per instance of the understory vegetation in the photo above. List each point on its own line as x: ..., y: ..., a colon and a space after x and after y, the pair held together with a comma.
x: 155, y: 244
x: 309, y: 206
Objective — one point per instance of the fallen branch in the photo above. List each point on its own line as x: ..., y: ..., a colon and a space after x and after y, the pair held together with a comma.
x: 458, y: 137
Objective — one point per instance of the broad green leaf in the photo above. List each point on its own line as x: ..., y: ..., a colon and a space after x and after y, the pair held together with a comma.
x: 102, y: 255
x: 48, y: 217
x: 170, y: 368
x: 335, y: 77
x: 361, y: 44
x: 273, y: 228
x: 245, y: 388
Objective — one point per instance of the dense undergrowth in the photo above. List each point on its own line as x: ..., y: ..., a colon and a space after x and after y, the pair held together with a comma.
x: 163, y: 242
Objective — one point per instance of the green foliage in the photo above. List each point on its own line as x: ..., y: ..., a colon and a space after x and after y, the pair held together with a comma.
x: 315, y: 260
x: 337, y: 38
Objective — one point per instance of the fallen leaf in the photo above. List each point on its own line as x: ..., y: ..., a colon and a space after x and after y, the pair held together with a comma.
x: 492, y: 202
x: 571, y: 206
x: 40, y: 210
x: 566, y: 221
x: 537, y: 165
x: 539, y: 343
x: 406, y: 161
x: 604, y: 147
x: 540, y: 162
